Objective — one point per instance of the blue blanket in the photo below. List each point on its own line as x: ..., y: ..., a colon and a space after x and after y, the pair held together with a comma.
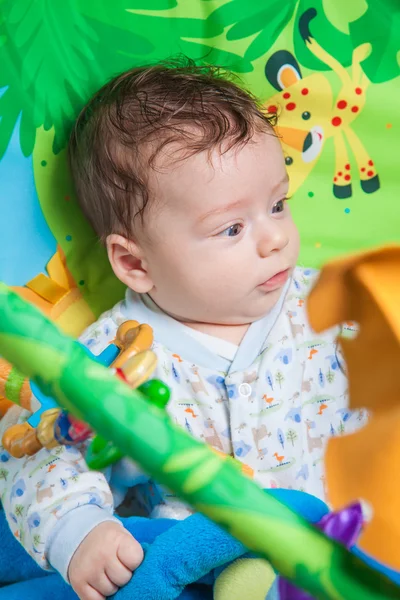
x: 183, y: 559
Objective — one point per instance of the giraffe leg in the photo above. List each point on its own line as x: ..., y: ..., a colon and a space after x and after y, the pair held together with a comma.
x: 368, y: 176
x: 342, y: 178
x: 359, y: 54
x: 316, y: 49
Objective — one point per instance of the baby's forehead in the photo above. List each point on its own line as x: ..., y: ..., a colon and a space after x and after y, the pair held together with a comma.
x: 195, y: 182
x: 175, y: 159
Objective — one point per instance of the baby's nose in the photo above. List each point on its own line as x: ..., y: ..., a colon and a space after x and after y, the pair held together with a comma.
x: 274, y: 240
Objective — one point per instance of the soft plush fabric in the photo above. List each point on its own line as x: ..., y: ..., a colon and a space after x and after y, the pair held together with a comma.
x: 183, y: 560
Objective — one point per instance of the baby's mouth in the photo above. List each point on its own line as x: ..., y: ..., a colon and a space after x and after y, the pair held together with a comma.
x: 276, y: 281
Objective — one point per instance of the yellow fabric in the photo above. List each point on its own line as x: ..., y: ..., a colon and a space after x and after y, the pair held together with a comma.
x: 58, y: 271
x: 59, y: 297
x: 46, y: 288
x: 366, y: 288
x: 245, y: 578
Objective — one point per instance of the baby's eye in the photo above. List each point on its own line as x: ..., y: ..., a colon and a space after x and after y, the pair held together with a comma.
x: 233, y: 230
x: 278, y: 207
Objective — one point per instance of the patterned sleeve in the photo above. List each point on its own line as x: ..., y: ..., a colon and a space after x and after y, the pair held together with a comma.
x: 39, y: 492
x: 43, y: 493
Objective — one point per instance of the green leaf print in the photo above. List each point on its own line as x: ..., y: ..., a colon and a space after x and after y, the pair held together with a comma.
x: 19, y: 510
x: 279, y: 378
x: 244, y: 19
x: 153, y: 4
x: 47, y: 57
x: 330, y: 377
x: 291, y: 436
x: 248, y: 18
x: 342, y: 12
x: 334, y: 41
x: 379, y: 26
x: 53, y: 57
x: 3, y: 474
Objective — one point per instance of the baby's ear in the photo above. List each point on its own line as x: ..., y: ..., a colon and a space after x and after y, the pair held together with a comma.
x: 128, y: 263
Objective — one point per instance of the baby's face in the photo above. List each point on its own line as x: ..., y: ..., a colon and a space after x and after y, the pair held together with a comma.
x: 221, y: 242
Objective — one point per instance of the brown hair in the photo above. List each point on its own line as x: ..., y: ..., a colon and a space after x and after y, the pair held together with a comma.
x: 199, y: 107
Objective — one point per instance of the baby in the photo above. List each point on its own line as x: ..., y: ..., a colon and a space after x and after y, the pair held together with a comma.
x: 181, y: 175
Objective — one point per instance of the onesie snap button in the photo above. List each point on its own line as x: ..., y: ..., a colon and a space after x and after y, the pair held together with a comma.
x: 245, y: 390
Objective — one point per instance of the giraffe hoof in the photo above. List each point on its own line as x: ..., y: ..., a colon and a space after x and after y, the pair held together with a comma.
x: 369, y: 186
x: 342, y: 191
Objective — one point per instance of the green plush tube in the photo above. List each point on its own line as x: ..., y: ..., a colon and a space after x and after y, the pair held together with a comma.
x: 62, y: 369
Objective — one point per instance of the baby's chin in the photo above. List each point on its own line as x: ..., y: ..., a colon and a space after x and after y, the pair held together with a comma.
x: 246, y: 310
x: 255, y: 309
x: 264, y: 302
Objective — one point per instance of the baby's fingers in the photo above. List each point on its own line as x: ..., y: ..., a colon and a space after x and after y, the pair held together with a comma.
x: 87, y: 592
x: 118, y: 573
x: 130, y: 552
x: 102, y: 585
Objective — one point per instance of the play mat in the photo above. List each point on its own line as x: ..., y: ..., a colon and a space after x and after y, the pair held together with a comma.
x: 330, y: 68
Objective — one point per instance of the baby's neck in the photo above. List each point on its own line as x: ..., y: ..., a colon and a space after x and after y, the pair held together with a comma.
x: 229, y: 333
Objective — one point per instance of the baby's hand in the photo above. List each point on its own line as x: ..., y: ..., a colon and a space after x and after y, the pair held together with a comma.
x: 104, y: 561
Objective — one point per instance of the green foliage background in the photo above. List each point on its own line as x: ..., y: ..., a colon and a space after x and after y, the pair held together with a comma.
x: 54, y: 55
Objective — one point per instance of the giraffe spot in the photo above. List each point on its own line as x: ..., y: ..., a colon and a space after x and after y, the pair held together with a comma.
x: 336, y: 121
x: 335, y: 179
x: 272, y: 109
x: 340, y: 173
x: 358, y: 91
x: 370, y: 173
x: 354, y: 109
x: 286, y: 95
x: 347, y: 167
x: 347, y: 177
x: 304, y: 91
x: 362, y: 169
x: 290, y: 106
x: 342, y: 104
x: 371, y: 163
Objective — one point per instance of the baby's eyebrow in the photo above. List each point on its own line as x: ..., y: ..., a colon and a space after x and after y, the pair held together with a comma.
x: 223, y: 209
x: 239, y: 203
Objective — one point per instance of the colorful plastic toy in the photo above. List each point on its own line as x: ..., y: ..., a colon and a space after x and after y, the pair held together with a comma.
x: 131, y: 358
